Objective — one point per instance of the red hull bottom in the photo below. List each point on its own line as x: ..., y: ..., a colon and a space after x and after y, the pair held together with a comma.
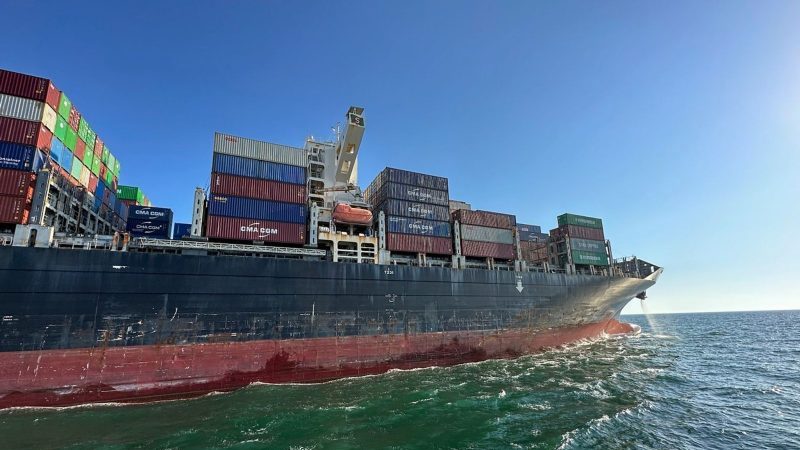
x: 161, y: 372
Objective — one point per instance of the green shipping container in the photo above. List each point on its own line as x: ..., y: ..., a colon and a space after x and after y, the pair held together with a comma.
x: 587, y: 245
x: 70, y: 139
x: 64, y: 106
x: 61, y: 129
x: 105, y: 155
x: 117, y: 167
x: 83, y: 128
x: 96, y: 166
x: 88, y: 158
x: 111, y: 163
x: 580, y: 221
x: 90, y: 138
x: 128, y: 192
x: 77, y: 167
x: 109, y: 178
x: 593, y: 258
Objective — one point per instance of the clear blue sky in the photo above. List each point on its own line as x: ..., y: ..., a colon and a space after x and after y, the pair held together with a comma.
x: 678, y: 123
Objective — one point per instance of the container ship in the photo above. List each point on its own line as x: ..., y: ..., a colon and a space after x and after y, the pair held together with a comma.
x: 287, y: 272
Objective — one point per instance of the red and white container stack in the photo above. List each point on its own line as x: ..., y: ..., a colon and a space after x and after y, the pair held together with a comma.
x: 486, y: 234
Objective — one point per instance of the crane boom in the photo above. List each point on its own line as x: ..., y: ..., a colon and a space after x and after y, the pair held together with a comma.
x: 347, y: 148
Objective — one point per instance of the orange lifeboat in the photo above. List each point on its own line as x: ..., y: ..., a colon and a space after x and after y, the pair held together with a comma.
x: 344, y: 213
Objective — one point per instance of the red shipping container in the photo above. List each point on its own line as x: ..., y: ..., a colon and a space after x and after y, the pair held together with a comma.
x: 53, y: 96
x: 563, y: 231
x: 80, y: 149
x: 25, y: 132
x: 225, y: 184
x: 102, y: 170
x: 14, y: 209
x: 487, y: 250
x: 92, y: 183
x: 485, y: 218
x: 21, y: 85
x: 255, y: 230
x: 45, y: 139
x: 98, y: 146
x: 410, y: 243
x: 74, y: 119
x: 16, y: 182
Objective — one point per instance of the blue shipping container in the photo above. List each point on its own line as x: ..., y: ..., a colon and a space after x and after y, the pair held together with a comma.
x: 56, y: 149
x: 20, y: 157
x: 66, y: 159
x: 148, y: 213
x: 265, y: 170
x: 407, y: 192
x: 408, y: 225
x: 394, y: 207
x: 251, y: 208
x: 149, y: 228
x: 180, y: 230
x: 414, y: 178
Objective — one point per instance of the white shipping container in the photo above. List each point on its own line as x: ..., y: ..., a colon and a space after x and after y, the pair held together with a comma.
x: 486, y: 234
x: 85, y: 173
x: 20, y: 108
x: 49, y: 117
x: 262, y: 151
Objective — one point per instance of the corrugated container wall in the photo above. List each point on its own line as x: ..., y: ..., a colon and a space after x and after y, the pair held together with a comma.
x: 148, y: 228
x: 487, y: 234
x: 262, y: 151
x: 21, y: 108
x: 485, y: 219
x: 528, y: 232
x: 255, y: 230
x: 24, y: 132
x: 247, y: 208
x: 21, y: 85
x: 14, y: 209
x: 245, y: 167
x: 20, y: 157
x: 580, y: 221
x: 411, y: 178
x: 16, y: 182
x: 225, y: 184
x: 180, y: 230
x: 577, y: 232
x: 396, y: 207
x: 590, y: 258
x: 487, y: 250
x: 409, y: 243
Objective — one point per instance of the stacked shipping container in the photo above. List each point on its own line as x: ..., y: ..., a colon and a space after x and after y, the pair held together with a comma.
x: 486, y: 234
x: 40, y: 126
x: 416, y: 210
x: 147, y: 221
x: 258, y: 191
x: 585, y: 238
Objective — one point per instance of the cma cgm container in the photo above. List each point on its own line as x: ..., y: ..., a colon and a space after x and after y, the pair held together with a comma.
x: 580, y: 221
x: 409, y: 243
x: 404, y: 208
x: 249, y: 208
x: 246, y: 167
x: 421, y: 227
x: 150, y: 213
x: 485, y: 218
x: 263, y: 151
x: 148, y: 228
x: 377, y: 194
x: 225, y: 184
x: 255, y: 230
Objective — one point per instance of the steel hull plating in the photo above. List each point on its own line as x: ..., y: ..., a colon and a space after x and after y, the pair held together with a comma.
x: 82, y: 326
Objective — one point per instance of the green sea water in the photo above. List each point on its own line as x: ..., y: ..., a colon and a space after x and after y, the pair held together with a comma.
x: 722, y: 381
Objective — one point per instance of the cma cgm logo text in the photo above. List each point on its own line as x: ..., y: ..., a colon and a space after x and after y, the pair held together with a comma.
x: 150, y: 213
x: 417, y: 193
x: 419, y: 226
x: 419, y: 210
x: 257, y: 228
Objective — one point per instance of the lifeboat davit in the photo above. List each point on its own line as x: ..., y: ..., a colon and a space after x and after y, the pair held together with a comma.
x: 344, y: 213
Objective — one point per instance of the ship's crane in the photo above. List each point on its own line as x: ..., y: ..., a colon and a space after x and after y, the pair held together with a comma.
x: 347, y: 146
